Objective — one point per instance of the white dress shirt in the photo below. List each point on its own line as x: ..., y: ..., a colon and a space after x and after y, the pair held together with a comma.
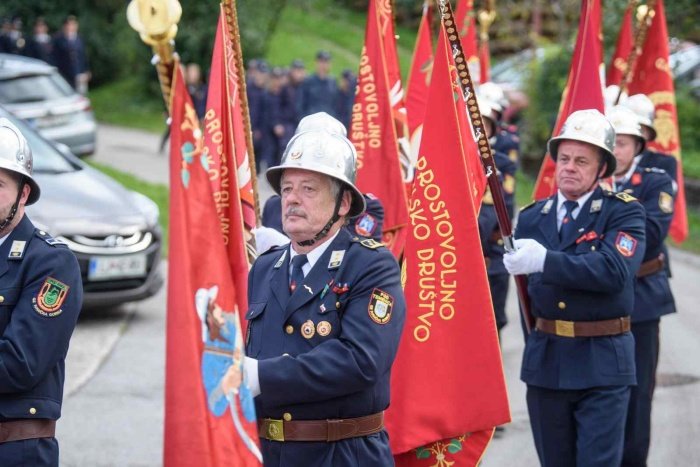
x: 561, y: 209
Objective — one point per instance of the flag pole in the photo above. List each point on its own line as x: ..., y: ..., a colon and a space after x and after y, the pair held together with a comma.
x: 485, y: 152
x: 645, y: 14
x: 232, y: 25
x: 486, y: 16
x: 157, y: 27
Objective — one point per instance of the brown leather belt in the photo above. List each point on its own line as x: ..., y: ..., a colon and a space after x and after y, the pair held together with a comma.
x: 320, y: 430
x: 608, y: 327
x: 652, y: 266
x: 18, y: 430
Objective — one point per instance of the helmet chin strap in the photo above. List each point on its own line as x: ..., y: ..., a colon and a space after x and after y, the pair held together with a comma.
x: 15, y: 207
x: 334, y: 218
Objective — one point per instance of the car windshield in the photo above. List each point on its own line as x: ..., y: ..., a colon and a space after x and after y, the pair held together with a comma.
x: 47, y: 159
x: 34, y: 88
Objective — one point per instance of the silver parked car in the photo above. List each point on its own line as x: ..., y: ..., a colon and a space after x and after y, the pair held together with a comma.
x: 113, y: 232
x: 34, y: 91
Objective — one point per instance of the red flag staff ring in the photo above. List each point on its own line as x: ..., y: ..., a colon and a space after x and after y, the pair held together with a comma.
x: 469, y: 95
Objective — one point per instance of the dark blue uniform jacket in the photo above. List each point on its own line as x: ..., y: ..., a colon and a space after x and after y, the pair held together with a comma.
x: 654, y: 189
x: 587, y: 277
x: 322, y: 353
x: 41, y: 298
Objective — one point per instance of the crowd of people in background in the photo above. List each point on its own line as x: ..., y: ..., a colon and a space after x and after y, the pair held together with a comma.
x: 65, y: 49
x: 279, y: 97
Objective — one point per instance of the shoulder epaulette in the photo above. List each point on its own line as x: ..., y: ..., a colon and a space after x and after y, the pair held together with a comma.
x: 370, y: 243
x: 48, y: 238
x: 655, y: 170
x: 626, y: 197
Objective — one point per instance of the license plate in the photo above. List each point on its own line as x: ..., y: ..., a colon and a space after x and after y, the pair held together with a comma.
x: 52, y: 120
x: 116, y: 267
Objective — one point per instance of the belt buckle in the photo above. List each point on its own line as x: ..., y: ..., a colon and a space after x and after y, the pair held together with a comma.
x: 275, y: 430
x: 564, y: 328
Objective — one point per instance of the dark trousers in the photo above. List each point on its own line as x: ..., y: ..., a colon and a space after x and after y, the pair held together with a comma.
x: 638, y: 427
x: 499, y: 292
x: 38, y: 452
x: 577, y: 428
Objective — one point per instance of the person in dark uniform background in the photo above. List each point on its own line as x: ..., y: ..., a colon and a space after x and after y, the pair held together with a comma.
x: 258, y: 71
x: 318, y: 92
x: 652, y: 293
x: 581, y: 249
x: 346, y: 97
x: 40, y: 299
x: 40, y: 44
x: 505, y: 138
x: 489, y: 231
x: 325, y: 317
x: 70, y: 57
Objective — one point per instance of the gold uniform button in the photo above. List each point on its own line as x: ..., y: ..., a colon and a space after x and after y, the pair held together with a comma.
x: 287, y: 417
x: 562, y: 305
x: 289, y: 329
x: 499, y: 241
x: 593, y: 248
x: 32, y: 411
x: 2, y: 299
x: 337, y: 305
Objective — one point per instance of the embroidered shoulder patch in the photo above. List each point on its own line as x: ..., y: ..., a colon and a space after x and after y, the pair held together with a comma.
x: 371, y: 243
x: 380, y: 306
x: 626, y: 197
x: 665, y: 202
x: 626, y: 244
x: 51, y: 296
x: 366, y: 225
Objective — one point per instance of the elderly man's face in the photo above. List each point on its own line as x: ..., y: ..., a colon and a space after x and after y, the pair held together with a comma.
x: 307, y: 203
x: 577, y: 168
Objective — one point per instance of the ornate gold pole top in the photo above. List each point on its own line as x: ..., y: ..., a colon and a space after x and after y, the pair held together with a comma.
x: 486, y: 19
x: 156, y: 22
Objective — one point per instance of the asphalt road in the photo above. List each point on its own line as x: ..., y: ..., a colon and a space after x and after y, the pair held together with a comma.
x: 113, y: 411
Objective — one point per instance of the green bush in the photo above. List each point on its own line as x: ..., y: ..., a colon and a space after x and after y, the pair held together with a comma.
x: 689, y: 121
x: 545, y: 83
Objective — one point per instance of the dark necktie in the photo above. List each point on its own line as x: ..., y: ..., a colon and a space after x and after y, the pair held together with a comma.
x: 297, y: 274
x: 567, y: 224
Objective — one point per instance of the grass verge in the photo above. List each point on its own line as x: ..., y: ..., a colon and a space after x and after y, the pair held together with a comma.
x: 125, y: 103
x: 155, y: 191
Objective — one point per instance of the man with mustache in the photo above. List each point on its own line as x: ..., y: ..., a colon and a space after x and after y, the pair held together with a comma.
x: 581, y: 249
x: 40, y: 299
x: 325, y: 315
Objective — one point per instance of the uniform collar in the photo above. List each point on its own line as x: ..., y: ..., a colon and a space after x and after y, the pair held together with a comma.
x: 618, y: 182
x: 581, y: 201
x: 313, y: 255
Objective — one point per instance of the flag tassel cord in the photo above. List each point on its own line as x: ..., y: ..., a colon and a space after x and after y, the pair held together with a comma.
x: 485, y: 152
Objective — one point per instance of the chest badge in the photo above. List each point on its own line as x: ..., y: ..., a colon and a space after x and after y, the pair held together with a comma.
x: 323, y: 328
x: 308, y: 329
x: 17, y: 249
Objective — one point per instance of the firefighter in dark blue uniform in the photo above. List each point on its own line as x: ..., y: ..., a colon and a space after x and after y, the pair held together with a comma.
x: 325, y: 318
x: 40, y: 299
x: 491, y: 241
x: 505, y: 137
x: 367, y: 224
x: 581, y: 249
x: 652, y: 295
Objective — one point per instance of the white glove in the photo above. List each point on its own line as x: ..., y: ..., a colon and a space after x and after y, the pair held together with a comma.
x: 266, y: 238
x: 250, y: 369
x: 528, y: 257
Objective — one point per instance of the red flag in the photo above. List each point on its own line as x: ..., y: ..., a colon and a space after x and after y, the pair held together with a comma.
x: 227, y: 156
x: 653, y: 77
x: 583, y: 88
x: 373, y: 132
x: 448, y: 388
x: 209, y: 414
x: 625, y: 42
x: 419, y: 80
x: 466, y: 27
